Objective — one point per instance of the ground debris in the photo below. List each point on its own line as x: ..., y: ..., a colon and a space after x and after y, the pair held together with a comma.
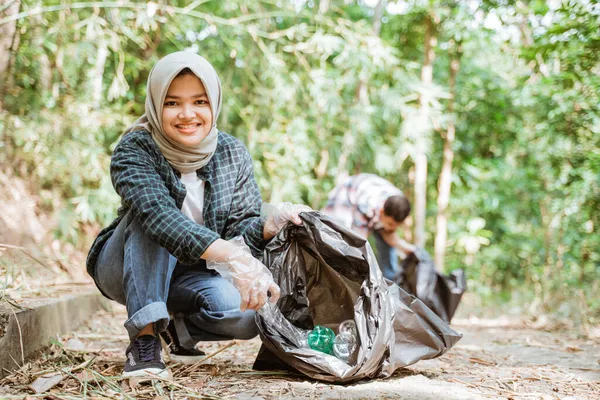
x: 490, y: 362
x: 46, y: 382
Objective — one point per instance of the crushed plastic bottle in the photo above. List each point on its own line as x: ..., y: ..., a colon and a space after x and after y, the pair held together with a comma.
x: 344, y: 346
x: 321, y: 339
x: 346, y: 342
x: 348, y: 326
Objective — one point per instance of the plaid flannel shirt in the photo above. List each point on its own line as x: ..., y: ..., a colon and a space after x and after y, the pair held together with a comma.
x: 151, y: 188
x: 357, y: 201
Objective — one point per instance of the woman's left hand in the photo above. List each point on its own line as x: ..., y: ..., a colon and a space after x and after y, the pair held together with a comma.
x: 278, y: 215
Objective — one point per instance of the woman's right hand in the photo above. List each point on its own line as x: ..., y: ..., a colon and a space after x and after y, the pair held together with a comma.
x: 232, y: 259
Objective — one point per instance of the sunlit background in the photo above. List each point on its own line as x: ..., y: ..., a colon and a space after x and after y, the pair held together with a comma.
x: 486, y: 113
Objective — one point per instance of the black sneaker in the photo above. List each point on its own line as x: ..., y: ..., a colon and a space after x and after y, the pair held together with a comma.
x: 144, y: 358
x: 177, y: 353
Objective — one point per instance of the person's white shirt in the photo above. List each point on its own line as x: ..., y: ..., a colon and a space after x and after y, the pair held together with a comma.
x: 194, y: 199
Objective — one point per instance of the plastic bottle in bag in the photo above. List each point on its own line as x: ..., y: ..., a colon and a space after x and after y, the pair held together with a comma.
x: 321, y: 339
x: 348, y: 326
x: 344, y: 345
x: 346, y: 342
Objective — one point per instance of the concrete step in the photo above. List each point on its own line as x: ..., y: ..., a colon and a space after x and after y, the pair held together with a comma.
x: 25, y: 332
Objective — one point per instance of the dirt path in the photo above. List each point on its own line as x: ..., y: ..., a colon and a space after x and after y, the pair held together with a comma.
x: 493, y: 360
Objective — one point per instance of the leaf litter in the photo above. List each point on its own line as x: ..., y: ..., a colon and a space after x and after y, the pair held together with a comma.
x: 88, y: 363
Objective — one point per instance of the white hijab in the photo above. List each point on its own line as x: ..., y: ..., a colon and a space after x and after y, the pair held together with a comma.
x: 183, y: 158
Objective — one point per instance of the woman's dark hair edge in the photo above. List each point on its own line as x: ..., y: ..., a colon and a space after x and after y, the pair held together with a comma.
x: 185, y: 71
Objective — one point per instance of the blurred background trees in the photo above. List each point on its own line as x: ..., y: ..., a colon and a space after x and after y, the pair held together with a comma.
x: 486, y: 113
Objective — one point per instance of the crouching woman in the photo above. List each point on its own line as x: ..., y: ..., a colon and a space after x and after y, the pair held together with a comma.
x: 185, y: 188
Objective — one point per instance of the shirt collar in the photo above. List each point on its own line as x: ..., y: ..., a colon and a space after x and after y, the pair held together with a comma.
x: 205, y: 173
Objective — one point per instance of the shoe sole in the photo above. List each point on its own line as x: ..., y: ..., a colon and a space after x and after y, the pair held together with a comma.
x: 149, y: 373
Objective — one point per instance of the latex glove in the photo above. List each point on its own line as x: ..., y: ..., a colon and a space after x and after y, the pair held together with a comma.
x: 278, y: 215
x: 250, y: 277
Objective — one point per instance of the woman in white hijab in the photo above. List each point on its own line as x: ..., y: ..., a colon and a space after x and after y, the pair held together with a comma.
x: 185, y: 189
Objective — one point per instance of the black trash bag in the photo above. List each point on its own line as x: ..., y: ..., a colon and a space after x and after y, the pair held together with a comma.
x: 328, y: 274
x: 439, y: 292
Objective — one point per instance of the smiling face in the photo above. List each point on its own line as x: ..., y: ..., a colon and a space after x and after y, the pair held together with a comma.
x: 187, y: 115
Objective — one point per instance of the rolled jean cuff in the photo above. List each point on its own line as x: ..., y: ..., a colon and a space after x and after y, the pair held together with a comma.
x: 152, y: 313
x: 185, y: 339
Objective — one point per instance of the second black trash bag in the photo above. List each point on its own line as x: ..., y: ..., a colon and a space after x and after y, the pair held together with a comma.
x: 328, y: 274
x: 439, y: 292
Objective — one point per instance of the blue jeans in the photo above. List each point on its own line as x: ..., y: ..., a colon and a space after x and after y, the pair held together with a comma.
x: 387, y: 258
x: 135, y: 271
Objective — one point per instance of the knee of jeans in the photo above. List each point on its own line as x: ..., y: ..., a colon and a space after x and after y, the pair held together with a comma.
x: 235, y: 323
x: 246, y: 329
x: 249, y: 332
x: 223, y: 299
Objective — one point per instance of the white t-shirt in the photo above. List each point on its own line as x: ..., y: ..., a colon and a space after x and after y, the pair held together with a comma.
x: 194, y: 200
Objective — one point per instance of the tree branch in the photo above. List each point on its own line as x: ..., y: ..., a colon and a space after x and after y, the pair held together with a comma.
x: 142, y: 6
x: 7, y: 6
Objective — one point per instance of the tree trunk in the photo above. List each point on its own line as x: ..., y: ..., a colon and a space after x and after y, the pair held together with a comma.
x: 323, y: 7
x: 98, y: 74
x: 445, y: 180
x: 7, y: 35
x: 362, y: 97
x: 423, y: 131
x: 420, y: 198
x: 379, y: 8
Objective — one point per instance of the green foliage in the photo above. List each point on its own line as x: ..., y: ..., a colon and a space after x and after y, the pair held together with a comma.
x: 316, y: 94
